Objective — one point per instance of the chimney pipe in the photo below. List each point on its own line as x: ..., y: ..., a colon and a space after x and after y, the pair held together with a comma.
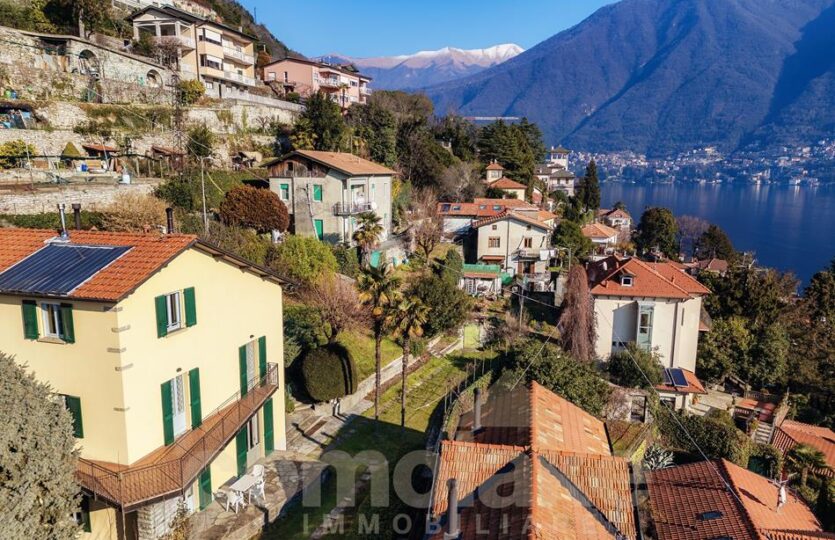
x: 64, y: 234
x: 169, y: 216
x: 477, y: 410
x: 452, y: 511
x: 76, y: 212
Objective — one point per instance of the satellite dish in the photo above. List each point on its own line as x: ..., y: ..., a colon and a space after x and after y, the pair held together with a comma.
x: 373, y: 205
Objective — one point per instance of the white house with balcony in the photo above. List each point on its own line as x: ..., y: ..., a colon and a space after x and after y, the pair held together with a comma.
x: 326, y: 191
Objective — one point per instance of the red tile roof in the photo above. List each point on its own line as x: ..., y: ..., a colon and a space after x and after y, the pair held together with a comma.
x: 506, y: 183
x: 347, y: 163
x: 655, y: 280
x: 791, y: 433
x: 694, y: 385
x: 511, y: 214
x: 494, y: 167
x: 679, y: 497
x: 566, y: 484
x: 510, y: 203
x: 599, y: 231
x: 148, y: 254
x: 100, y: 148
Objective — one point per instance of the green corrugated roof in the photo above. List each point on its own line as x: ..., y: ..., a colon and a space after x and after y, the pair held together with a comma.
x: 486, y: 268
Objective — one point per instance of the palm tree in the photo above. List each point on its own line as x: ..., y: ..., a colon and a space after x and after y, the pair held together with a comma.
x: 803, y: 458
x: 368, y: 234
x: 379, y: 291
x: 408, y: 318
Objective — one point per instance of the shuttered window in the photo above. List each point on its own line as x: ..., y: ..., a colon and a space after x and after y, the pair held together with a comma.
x: 244, y: 380
x: 241, y: 449
x: 30, y: 319
x: 162, y: 316
x: 262, y: 357
x: 319, y: 225
x: 191, y: 306
x: 73, y: 405
x: 205, y: 488
x: 170, y: 309
x: 317, y: 192
x: 194, y: 398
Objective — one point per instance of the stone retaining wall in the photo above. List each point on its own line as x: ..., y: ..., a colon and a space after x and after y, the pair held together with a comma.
x: 45, y: 199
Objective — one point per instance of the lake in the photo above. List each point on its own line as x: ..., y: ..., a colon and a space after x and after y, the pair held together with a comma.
x: 791, y: 228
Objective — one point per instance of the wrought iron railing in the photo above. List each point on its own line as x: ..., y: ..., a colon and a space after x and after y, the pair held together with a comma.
x: 129, y: 487
x: 340, y: 209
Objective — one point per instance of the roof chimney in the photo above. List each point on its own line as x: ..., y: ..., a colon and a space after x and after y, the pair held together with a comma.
x: 477, y: 410
x: 453, y: 530
x: 169, y: 217
x: 76, y: 212
x: 64, y: 234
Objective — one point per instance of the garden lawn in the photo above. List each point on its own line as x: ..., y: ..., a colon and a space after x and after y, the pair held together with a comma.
x: 361, y: 346
x: 426, y: 388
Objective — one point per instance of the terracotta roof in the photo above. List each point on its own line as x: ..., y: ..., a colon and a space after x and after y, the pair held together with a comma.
x: 100, y: 148
x: 798, y: 535
x: 493, y: 166
x: 510, y: 203
x: 613, y: 213
x: 345, y: 162
x: 510, y: 214
x: 544, y: 215
x: 166, y: 150
x: 506, y: 183
x: 680, y: 496
x: 566, y: 484
x: 651, y: 280
x: 694, y: 385
x: 148, y: 254
x: 713, y: 265
x: 599, y: 231
x: 791, y: 433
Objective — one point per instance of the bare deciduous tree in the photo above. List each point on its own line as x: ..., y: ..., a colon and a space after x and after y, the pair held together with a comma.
x: 461, y: 182
x: 577, y: 318
x: 690, y: 228
x: 336, y: 299
x: 425, y: 223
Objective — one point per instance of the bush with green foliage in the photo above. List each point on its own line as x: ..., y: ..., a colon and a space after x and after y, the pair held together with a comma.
x: 633, y: 365
x: 448, y: 304
x: 16, y: 153
x: 38, y: 455
x: 551, y: 367
x: 726, y: 345
x: 176, y: 192
x: 568, y: 236
x: 329, y: 372
x: 200, y: 142
x: 766, y: 460
x: 715, y: 243
x: 51, y: 220
x: 254, y: 208
x: 347, y: 260
x: 321, y: 125
x: 190, y: 91
x: 302, y: 258
x: 450, y: 269
x: 714, y: 437
x: 657, y: 229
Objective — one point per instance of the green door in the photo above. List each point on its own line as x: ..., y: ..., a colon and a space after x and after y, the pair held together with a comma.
x: 262, y: 357
x: 269, y: 431
x: 319, y: 225
x: 204, y: 488
x: 240, y: 449
x: 375, y: 259
x: 242, y: 368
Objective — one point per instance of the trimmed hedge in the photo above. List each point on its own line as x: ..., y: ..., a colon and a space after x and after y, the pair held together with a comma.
x: 715, y: 438
x: 329, y: 372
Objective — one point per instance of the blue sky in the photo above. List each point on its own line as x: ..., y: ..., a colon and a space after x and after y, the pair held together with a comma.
x: 388, y: 27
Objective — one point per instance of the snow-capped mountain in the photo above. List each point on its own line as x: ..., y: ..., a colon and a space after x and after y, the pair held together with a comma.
x: 425, y: 68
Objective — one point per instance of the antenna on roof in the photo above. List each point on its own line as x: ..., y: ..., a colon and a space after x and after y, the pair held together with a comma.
x: 64, y: 235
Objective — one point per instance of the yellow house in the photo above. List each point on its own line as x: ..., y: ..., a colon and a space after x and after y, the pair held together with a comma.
x: 166, y: 350
x: 219, y: 56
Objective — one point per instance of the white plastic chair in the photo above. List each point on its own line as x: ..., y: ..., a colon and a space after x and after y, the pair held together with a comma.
x: 233, y: 499
x: 258, y: 471
x: 258, y: 489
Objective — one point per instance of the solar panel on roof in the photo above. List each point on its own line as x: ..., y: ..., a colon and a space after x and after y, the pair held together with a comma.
x: 58, y: 268
x: 677, y: 376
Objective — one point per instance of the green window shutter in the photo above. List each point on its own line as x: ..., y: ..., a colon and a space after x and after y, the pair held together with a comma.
x: 194, y: 395
x: 242, y: 365
x: 320, y: 228
x: 269, y: 431
x: 30, y: 319
x: 204, y: 489
x: 317, y: 192
x: 240, y: 449
x: 69, y: 327
x: 162, y: 316
x: 85, y: 514
x: 74, y: 406
x: 262, y: 356
x: 191, y: 307
x: 167, y: 414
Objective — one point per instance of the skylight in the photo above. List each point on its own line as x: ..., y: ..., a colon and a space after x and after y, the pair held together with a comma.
x: 712, y: 514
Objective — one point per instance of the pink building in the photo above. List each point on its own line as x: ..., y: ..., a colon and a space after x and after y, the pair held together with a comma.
x: 305, y: 77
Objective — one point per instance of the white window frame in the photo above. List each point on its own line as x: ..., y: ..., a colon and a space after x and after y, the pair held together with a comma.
x: 253, y: 437
x: 174, y: 311
x: 625, y: 279
x: 51, y: 317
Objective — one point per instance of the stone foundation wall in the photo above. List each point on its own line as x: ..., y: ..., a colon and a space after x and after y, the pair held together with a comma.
x: 45, y: 199
x: 153, y: 521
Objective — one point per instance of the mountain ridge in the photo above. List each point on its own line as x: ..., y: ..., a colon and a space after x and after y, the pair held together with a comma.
x: 422, y: 68
x: 658, y: 76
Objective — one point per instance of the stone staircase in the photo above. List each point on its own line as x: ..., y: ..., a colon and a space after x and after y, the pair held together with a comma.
x: 763, y: 433
x: 713, y: 400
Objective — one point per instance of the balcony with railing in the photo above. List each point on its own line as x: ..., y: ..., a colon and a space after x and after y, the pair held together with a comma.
x: 537, y: 282
x: 540, y: 254
x: 365, y: 91
x: 351, y: 209
x: 170, y: 470
x: 240, y: 56
x: 237, y: 77
x: 329, y: 82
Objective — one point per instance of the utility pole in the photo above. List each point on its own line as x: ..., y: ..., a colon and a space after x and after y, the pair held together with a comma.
x: 203, y: 191
x: 521, y: 304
